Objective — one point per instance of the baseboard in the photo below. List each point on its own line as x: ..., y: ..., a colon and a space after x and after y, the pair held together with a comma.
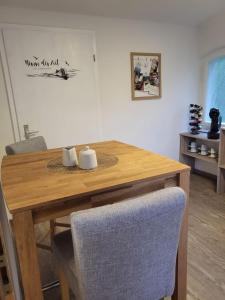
x: 205, y: 174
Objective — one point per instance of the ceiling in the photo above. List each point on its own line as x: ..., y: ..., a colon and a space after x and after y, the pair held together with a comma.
x: 186, y: 12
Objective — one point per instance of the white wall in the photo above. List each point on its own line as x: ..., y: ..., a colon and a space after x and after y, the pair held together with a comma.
x: 152, y: 124
x: 212, y: 35
x: 211, y: 38
x: 6, y: 134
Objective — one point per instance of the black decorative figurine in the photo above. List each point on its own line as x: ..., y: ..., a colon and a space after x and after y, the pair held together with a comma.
x: 216, y: 121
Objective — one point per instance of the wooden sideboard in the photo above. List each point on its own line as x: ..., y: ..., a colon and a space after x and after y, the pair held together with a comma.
x: 189, y: 158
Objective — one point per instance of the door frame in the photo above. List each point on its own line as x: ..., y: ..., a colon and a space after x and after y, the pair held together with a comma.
x: 18, y: 136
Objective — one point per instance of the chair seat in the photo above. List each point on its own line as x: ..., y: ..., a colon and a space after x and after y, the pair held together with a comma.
x: 64, y: 255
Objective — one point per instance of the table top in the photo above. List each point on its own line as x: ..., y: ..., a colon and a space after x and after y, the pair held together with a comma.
x: 34, y: 180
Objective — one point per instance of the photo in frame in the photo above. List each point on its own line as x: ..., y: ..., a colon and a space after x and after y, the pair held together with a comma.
x: 145, y: 75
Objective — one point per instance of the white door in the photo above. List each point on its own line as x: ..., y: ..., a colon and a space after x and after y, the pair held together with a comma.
x: 52, y: 83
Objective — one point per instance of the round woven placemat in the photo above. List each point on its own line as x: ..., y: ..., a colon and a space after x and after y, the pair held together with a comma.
x: 104, y: 161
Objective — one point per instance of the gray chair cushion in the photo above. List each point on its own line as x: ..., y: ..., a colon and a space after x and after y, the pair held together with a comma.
x: 126, y: 250
x: 32, y: 145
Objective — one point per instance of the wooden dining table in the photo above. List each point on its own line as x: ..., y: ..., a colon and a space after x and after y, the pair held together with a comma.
x: 37, y: 188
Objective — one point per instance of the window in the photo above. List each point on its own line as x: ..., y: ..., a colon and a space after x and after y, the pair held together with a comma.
x: 215, y: 89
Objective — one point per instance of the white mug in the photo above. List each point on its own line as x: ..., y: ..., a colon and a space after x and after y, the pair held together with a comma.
x: 203, y: 148
x: 212, y: 151
x: 69, y: 157
x: 87, y: 159
x: 203, y: 153
x: 193, y: 147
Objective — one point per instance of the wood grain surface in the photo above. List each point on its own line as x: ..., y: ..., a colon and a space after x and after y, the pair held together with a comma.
x: 27, y: 254
x: 29, y: 183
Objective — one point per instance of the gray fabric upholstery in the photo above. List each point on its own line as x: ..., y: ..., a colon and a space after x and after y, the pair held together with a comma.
x: 32, y: 145
x: 124, y: 251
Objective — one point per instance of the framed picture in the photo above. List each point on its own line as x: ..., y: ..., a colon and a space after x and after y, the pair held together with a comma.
x: 145, y: 75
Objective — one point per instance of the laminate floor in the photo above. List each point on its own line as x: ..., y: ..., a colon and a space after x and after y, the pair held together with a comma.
x: 206, y: 243
x: 206, y: 246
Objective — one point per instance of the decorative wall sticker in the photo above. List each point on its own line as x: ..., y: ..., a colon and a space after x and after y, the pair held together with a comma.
x: 49, y: 68
x: 51, y: 82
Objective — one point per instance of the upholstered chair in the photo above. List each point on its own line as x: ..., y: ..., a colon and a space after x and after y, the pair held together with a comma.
x: 123, y: 251
x: 31, y: 145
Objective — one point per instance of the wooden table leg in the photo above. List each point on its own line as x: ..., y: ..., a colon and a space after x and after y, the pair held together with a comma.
x: 180, y: 291
x: 23, y: 228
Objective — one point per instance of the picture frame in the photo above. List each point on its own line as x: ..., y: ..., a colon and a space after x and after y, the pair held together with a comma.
x: 145, y: 76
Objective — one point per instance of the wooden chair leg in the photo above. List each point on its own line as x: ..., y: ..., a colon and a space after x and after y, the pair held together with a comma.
x: 53, y: 225
x: 52, y: 230
x: 64, y: 287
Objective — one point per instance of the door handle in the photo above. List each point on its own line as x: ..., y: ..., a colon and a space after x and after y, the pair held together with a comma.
x: 28, y: 133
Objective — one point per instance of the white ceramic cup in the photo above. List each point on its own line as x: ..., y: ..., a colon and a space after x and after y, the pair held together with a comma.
x: 69, y: 157
x: 193, y: 147
x: 212, y: 151
x: 87, y: 159
x: 203, y: 153
x: 203, y: 148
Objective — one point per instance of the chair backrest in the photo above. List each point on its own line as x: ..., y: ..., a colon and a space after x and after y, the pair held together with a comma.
x: 10, y: 248
x: 128, y: 250
x: 31, y: 145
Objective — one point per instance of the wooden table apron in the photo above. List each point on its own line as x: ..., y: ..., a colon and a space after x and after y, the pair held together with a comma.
x: 35, y: 193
